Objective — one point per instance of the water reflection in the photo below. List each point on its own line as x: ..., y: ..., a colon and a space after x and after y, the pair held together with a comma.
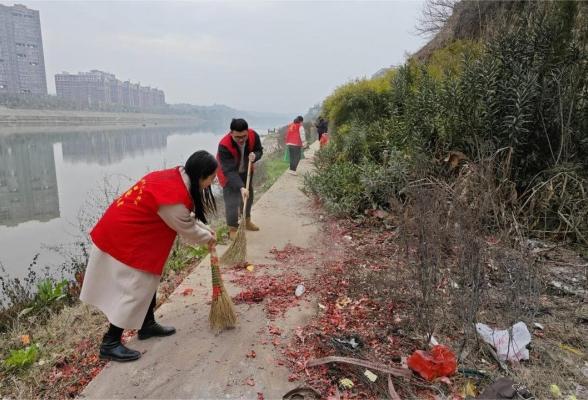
x: 28, y: 182
x: 46, y: 179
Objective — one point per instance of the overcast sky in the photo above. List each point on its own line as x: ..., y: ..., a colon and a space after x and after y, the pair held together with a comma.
x: 269, y: 56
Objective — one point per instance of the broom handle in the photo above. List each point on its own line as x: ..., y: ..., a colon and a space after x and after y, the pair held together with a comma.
x: 247, y: 185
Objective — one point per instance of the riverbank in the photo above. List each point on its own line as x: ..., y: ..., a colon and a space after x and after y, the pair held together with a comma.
x: 15, y: 120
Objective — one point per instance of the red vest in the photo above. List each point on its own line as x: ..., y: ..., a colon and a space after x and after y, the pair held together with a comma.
x: 229, y: 143
x: 132, y: 232
x: 293, y: 134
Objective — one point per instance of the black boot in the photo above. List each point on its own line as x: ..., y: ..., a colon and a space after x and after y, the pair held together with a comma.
x: 113, y: 349
x: 151, y: 328
x: 154, y: 329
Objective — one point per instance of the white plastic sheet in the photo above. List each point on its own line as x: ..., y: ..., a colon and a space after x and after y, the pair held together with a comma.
x: 512, y: 347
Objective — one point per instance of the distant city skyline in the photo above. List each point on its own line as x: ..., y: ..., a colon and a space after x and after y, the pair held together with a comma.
x: 102, y: 87
x: 265, y: 56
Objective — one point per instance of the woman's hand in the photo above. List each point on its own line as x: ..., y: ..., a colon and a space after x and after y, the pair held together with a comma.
x: 212, y: 241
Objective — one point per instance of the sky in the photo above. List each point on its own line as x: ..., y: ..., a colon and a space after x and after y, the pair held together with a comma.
x: 266, y: 56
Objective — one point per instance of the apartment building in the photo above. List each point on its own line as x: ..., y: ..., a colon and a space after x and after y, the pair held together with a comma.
x: 22, y: 64
x: 103, y: 87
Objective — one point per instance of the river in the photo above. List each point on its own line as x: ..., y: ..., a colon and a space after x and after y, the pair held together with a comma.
x: 50, y: 183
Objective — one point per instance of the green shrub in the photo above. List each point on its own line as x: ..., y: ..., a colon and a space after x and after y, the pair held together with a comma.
x: 362, y: 100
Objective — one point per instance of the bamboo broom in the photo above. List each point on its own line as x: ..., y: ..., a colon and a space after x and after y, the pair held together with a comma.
x: 237, y: 251
x: 222, y: 312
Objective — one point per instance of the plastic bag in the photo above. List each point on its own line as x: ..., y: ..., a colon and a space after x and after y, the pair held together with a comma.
x: 512, y: 348
x: 287, y: 154
x: 440, y: 361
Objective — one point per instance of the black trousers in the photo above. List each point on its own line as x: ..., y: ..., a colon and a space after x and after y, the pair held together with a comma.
x: 320, y: 135
x: 295, y: 154
x: 234, y: 202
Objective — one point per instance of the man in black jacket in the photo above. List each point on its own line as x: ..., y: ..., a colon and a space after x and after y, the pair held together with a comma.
x: 322, y: 126
x: 235, y: 150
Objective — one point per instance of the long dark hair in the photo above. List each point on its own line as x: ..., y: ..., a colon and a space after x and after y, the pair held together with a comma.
x: 201, y: 165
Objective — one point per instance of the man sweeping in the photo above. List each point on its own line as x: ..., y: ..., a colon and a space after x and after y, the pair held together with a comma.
x: 235, y: 150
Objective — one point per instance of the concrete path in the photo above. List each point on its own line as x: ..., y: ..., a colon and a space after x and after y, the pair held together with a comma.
x: 196, y: 364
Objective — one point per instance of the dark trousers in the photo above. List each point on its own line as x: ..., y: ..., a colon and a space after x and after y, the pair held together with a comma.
x: 115, y: 332
x: 295, y: 154
x: 234, y: 202
x: 320, y: 135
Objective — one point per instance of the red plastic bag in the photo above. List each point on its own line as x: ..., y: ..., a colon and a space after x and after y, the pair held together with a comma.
x: 440, y: 361
x: 324, y: 139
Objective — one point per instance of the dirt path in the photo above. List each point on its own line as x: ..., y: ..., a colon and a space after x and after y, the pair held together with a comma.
x: 241, y: 363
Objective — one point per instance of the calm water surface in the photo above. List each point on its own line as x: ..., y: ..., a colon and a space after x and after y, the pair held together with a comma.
x: 47, y: 179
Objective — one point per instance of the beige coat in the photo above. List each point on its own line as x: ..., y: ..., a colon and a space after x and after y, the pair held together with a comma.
x: 124, y: 293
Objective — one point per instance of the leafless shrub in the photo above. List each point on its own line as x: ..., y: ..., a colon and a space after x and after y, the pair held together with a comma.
x: 461, y: 241
x: 557, y: 206
x: 433, y: 16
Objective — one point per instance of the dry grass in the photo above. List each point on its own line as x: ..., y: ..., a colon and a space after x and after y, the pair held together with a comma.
x: 67, y: 359
x: 451, y: 258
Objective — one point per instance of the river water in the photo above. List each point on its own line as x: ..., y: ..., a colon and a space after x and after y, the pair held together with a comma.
x: 50, y: 183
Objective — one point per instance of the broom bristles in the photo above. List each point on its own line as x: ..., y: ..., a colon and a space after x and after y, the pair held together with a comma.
x: 222, y: 311
x: 237, y: 251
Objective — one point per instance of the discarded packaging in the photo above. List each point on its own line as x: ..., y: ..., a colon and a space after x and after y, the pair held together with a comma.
x: 512, y: 347
x: 353, y: 342
x: 346, y: 383
x: 440, y: 361
x: 300, y: 290
x: 370, y: 375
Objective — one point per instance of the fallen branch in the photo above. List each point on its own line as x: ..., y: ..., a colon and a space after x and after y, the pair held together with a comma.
x: 368, y: 364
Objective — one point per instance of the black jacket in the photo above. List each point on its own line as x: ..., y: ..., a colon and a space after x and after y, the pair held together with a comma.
x: 227, y: 162
x: 322, y: 126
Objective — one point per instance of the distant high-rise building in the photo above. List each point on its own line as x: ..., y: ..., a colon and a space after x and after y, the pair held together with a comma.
x: 22, y: 65
x: 102, y: 87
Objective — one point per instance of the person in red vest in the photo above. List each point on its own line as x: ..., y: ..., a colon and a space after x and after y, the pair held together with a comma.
x: 235, y: 150
x: 324, y: 139
x: 295, y: 140
x: 131, y: 243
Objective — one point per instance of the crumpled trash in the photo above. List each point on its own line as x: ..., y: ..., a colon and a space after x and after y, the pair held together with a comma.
x: 440, y: 361
x: 300, y: 289
x: 508, y: 347
x: 353, y: 342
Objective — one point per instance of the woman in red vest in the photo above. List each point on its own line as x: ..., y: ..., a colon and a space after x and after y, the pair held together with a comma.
x: 131, y: 243
x: 295, y: 140
x: 235, y: 150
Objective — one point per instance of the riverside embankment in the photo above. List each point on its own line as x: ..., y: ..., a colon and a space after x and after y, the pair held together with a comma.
x: 12, y: 120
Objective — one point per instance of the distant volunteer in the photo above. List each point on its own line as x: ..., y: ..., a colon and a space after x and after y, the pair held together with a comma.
x: 295, y: 140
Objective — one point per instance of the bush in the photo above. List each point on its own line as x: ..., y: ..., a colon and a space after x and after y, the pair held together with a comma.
x: 362, y: 100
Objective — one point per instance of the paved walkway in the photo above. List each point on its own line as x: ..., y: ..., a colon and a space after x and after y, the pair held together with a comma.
x: 196, y: 364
